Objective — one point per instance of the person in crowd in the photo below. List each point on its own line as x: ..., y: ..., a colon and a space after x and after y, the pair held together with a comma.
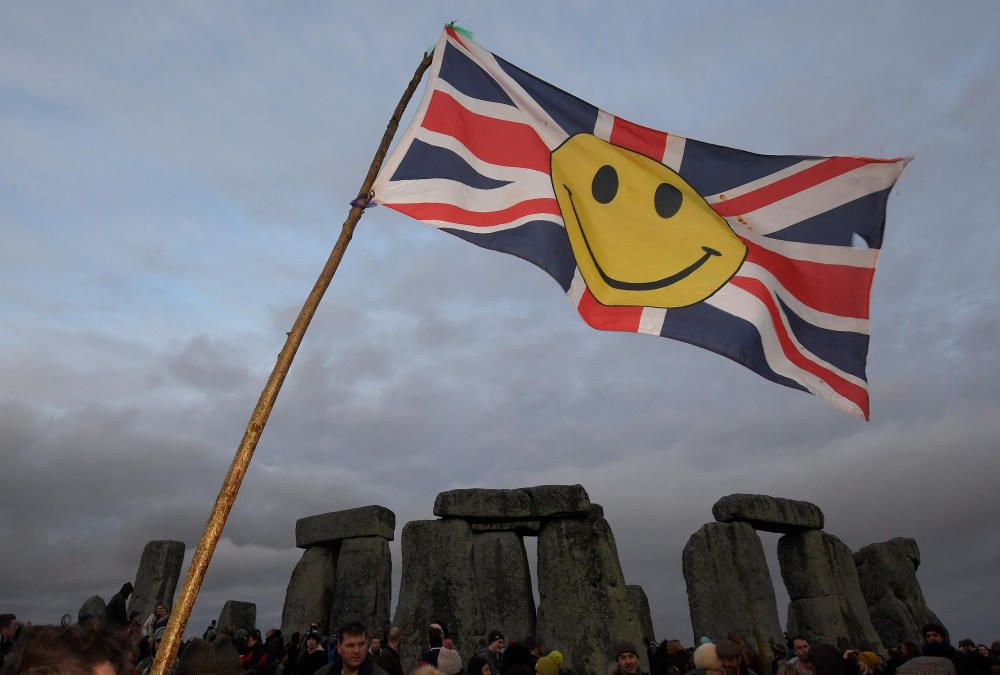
x: 209, y: 657
x: 449, y: 661
x: 706, y: 660
x: 477, y: 665
x: 517, y: 660
x: 154, y: 645
x: 937, y: 643
x: 732, y: 658
x: 868, y: 662
x: 388, y: 659
x: 255, y: 658
x: 274, y: 648
x: 435, y: 641
x: 626, y: 659
x: 117, y: 606
x: 96, y: 648
x: 314, y: 656
x: 291, y: 659
x: 352, y: 648
x: 980, y: 660
x: 375, y: 646
x: 535, y: 648
x: 211, y: 631
x: 549, y: 664
x: 828, y: 660
x: 493, y: 652
x: 157, y: 620
x: 8, y: 634
x: 800, y: 646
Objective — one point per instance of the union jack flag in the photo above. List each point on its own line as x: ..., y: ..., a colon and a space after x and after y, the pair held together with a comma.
x: 477, y: 162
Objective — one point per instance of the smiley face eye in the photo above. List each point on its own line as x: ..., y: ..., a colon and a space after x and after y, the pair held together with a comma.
x: 605, y: 185
x: 667, y: 200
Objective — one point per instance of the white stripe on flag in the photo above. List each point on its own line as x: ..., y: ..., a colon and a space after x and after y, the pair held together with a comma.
x: 576, y: 288
x: 673, y: 154
x: 651, y: 320
x: 444, y: 191
x: 765, y: 181
x: 829, y: 254
x: 489, y: 229
x: 605, y: 123
x: 499, y: 111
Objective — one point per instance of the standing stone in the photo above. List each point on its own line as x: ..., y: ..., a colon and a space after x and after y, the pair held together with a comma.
x: 156, y: 579
x: 770, y: 514
x: 363, y: 583
x: 826, y: 601
x: 438, y: 584
x: 729, y: 587
x: 309, y: 596
x: 584, y: 606
x: 888, y: 576
x: 504, y: 583
x: 638, y: 597
x: 93, y: 607
x: 238, y: 615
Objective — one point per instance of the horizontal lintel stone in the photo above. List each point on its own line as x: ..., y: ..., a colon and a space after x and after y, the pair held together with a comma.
x: 364, y: 521
x: 770, y: 514
x: 542, y: 502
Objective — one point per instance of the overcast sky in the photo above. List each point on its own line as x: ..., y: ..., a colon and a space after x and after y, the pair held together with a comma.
x: 173, y: 176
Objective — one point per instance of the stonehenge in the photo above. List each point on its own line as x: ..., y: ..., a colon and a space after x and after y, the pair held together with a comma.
x: 345, y: 573
x: 156, y: 578
x: 238, y: 615
x: 867, y: 599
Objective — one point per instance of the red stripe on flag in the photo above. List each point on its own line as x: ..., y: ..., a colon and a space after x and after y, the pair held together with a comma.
x: 852, y: 392
x: 786, y: 187
x: 491, y: 140
x: 605, y: 317
x: 643, y: 140
x: 835, y: 289
x: 455, y: 214
x: 454, y: 35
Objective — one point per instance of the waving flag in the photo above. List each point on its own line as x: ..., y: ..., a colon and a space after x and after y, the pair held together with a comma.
x: 767, y: 260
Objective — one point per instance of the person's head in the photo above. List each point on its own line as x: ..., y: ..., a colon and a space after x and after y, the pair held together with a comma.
x: 8, y: 626
x: 729, y: 655
x: 627, y: 658
x: 908, y: 650
x: 435, y: 635
x: 934, y: 634
x: 868, y: 661
x: 393, y: 637
x: 376, y: 645
x: 209, y: 657
x: 253, y: 637
x: 494, y: 641
x: 967, y: 645
x: 312, y: 641
x: 127, y: 589
x: 801, y: 647
x: 674, y: 646
x: 983, y: 651
x: 161, y: 610
x: 706, y: 657
x: 477, y: 665
x: 352, y: 645
x: 92, y: 649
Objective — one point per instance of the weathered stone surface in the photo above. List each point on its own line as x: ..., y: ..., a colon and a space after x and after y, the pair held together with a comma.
x: 888, y: 576
x: 822, y: 582
x: 729, y: 587
x: 326, y: 528
x: 531, y: 503
x: 771, y: 514
x: 238, y: 615
x: 156, y: 578
x: 528, y: 528
x: 309, y: 596
x: 641, y: 603
x: 363, y: 583
x: 93, y: 607
x: 504, y: 582
x: 584, y: 607
x: 438, y: 584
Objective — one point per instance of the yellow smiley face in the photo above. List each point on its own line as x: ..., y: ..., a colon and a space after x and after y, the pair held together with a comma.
x: 640, y: 234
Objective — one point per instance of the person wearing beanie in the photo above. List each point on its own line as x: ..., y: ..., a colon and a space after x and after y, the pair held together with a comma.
x: 449, y: 661
x: 706, y: 660
x: 627, y: 658
x: 550, y: 664
x: 493, y: 654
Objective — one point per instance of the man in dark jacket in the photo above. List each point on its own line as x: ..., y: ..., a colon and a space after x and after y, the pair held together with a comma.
x: 937, y: 643
x: 117, y: 605
x: 388, y: 659
x: 627, y: 659
x: 352, y: 647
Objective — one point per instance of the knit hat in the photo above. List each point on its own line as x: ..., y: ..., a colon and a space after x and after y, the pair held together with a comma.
x: 727, y: 649
x: 706, y: 658
x: 202, y: 657
x: 549, y: 664
x: 449, y: 661
x: 625, y: 647
x: 937, y: 628
x: 494, y: 636
x: 927, y: 665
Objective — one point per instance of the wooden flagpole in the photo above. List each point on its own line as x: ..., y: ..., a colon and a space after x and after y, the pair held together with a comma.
x: 181, y: 611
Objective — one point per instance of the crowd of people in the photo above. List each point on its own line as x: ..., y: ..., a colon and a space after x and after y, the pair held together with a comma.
x: 124, y: 645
